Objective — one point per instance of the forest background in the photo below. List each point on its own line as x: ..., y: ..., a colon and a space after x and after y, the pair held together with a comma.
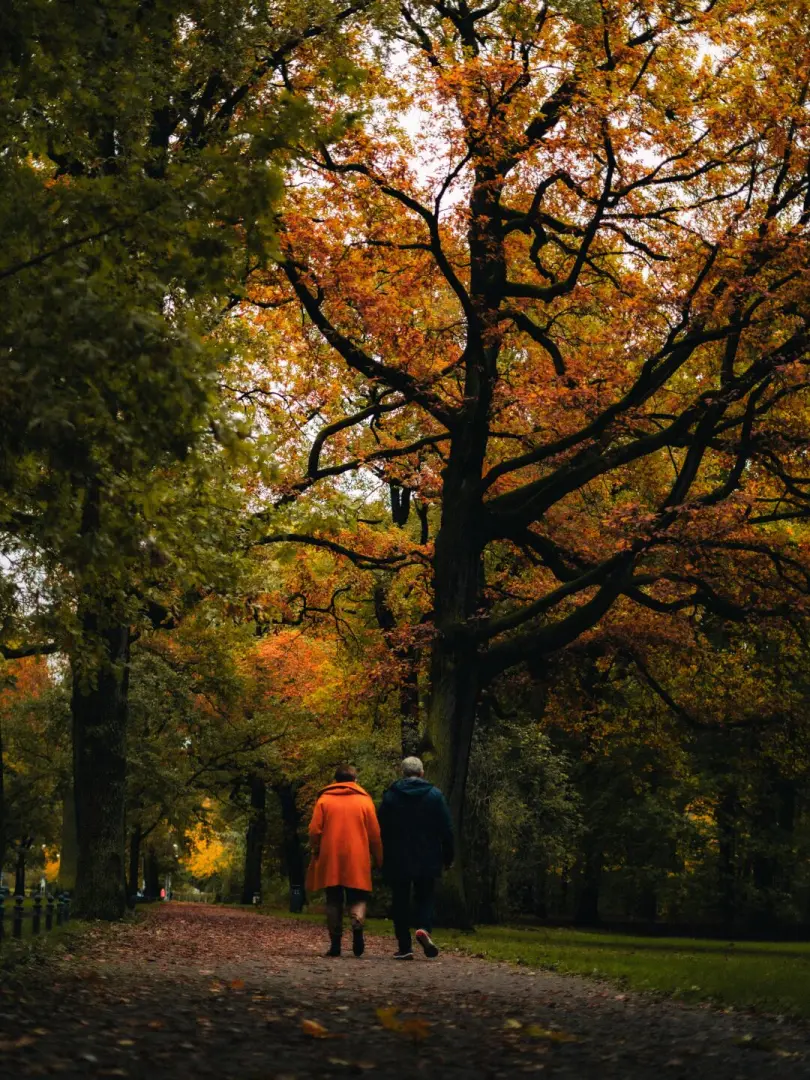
x: 383, y: 378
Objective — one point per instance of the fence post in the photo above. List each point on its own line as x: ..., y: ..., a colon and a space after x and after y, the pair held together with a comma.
x: 16, y: 929
x: 49, y: 914
x: 37, y: 914
x: 67, y: 906
x: 60, y: 910
x: 2, y: 916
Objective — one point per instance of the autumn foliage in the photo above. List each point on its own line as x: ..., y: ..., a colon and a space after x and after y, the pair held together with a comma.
x: 504, y: 455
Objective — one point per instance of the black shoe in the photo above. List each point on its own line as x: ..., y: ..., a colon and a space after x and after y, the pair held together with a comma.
x: 425, y: 940
x: 358, y: 942
x: 334, y: 948
x: 404, y: 954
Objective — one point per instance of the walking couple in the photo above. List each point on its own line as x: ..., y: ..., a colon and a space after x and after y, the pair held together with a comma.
x: 412, y: 829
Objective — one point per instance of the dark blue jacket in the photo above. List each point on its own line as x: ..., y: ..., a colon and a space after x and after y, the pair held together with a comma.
x: 417, y: 832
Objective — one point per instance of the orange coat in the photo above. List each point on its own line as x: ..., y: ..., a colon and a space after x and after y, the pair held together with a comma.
x: 343, y: 834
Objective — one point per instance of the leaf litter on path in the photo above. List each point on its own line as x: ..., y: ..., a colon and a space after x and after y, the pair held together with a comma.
x: 237, y: 995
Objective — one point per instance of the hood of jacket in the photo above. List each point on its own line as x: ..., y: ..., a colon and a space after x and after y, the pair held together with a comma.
x: 413, y: 787
x: 343, y: 787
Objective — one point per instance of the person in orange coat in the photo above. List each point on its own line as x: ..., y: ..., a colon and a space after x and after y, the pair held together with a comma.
x: 344, y: 835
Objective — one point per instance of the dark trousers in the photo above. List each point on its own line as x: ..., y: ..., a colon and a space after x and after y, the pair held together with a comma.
x: 356, y: 899
x: 423, y: 893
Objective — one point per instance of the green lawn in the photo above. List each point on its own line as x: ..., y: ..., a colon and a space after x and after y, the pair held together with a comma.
x: 771, y: 977
x: 27, y: 923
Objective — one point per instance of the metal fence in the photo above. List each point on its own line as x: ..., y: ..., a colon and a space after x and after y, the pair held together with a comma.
x: 35, y: 919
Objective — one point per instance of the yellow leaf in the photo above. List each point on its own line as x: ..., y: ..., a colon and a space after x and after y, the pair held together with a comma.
x: 388, y: 1019
x: 538, y: 1032
x: 512, y: 1025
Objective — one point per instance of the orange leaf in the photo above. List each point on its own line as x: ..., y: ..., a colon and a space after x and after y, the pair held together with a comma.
x: 314, y: 1029
x: 416, y: 1028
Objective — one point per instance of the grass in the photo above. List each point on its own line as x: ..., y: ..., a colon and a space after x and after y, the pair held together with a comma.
x: 36, y: 947
x: 11, y: 948
x: 769, y: 977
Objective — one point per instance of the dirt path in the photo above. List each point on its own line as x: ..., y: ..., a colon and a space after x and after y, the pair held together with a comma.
x: 192, y: 991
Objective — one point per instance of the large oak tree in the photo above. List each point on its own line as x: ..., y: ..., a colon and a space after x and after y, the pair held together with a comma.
x: 553, y: 285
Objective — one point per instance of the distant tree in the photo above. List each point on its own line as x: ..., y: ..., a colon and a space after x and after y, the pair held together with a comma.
x: 142, y: 144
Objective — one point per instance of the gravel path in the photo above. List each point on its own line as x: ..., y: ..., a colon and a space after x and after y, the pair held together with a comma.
x: 194, y: 991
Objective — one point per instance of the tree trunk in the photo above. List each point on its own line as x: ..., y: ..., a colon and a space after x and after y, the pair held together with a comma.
x: 458, y: 579
x: 254, y: 841
x: 454, y: 664
x: 291, y: 838
x: 134, y: 863
x: 68, y: 852
x: 99, y: 712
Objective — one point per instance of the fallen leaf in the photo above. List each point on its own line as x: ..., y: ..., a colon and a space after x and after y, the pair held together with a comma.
x: 126, y: 1042
x: 756, y: 1042
x: 156, y: 1025
x: 512, y: 1025
x: 416, y: 1028
x: 237, y: 984
x: 538, y: 1032
x: 314, y: 1029
x: 14, y: 1044
x: 388, y: 1019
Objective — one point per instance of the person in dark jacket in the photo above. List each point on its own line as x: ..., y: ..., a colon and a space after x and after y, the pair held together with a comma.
x: 417, y: 836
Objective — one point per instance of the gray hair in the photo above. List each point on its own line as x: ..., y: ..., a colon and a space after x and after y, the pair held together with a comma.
x: 412, y: 766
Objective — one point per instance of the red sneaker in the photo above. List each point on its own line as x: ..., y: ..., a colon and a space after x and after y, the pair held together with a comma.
x: 425, y: 940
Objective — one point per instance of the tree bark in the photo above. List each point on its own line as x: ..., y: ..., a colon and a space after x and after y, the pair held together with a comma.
x: 458, y: 579
x: 293, y: 851
x: 254, y: 840
x: 99, y: 712
x: 454, y: 669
